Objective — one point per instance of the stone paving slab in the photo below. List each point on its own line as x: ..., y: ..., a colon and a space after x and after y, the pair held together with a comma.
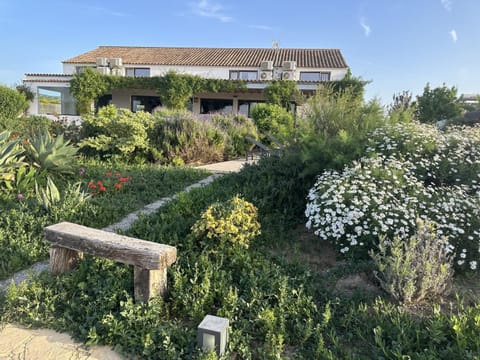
x: 226, y: 166
x: 43, y: 344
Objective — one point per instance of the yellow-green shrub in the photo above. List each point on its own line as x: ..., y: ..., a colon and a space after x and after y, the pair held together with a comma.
x: 234, y: 222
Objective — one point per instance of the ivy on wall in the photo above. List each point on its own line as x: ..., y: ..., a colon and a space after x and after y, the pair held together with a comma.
x: 174, y: 89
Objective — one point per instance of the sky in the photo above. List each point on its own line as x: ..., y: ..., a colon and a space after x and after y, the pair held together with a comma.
x: 396, y: 44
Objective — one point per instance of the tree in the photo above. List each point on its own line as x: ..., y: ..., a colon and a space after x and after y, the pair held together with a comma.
x: 356, y: 85
x: 438, y: 104
x: 273, y: 119
x: 282, y: 93
x: 12, y: 103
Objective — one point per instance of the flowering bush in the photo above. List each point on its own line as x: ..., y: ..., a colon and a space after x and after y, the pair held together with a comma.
x: 113, y: 181
x: 411, y: 178
x: 438, y: 158
x: 234, y: 222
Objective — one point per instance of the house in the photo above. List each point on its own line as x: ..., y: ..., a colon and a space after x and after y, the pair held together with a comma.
x: 256, y: 66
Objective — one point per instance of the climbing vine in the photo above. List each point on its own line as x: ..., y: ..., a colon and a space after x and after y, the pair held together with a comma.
x: 174, y: 89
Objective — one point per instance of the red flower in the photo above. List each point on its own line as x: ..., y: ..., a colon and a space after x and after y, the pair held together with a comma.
x: 103, y: 188
x: 123, y: 179
x: 100, y: 183
x: 92, y: 186
x: 108, y: 174
x: 117, y: 186
x: 117, y: 174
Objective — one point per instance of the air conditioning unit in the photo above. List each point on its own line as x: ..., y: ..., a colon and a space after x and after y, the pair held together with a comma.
x: 266, y: 65
x: 102, y: 61
x: 118, y: 71
x: 289, y: 65
x: 103, y: 70
x: 266, y: 75
x: 288, y: 75
x: 115, y: 62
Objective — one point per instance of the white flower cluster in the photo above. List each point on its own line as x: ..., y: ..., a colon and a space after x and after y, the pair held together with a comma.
x: 385, y: 195
x: 445, y: 158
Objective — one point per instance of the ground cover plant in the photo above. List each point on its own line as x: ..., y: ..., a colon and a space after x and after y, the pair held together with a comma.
x: 126, y: 188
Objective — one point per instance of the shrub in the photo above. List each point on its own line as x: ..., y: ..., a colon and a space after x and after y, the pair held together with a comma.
x: 273, y: 119
x: 383, y: 197
x: 234, y: 222
x: 180, y: 135
x: 12, y: 104
x: 415, y: 270
x: 236, y: 128
x: 117, y: 132
x: 334, y: 128
x: 27, y: 126
x: 439, y: 158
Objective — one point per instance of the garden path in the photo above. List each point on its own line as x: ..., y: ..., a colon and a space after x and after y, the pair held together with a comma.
x: 17, y: 342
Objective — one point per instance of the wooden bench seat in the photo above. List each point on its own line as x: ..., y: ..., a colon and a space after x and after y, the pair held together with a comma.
x: 150, y: 260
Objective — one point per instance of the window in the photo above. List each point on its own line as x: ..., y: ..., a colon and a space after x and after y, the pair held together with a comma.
x: 243, y: 75
x: 137, y: 72
x: 314, y: 76
x: 145, y: 103
x: 246, y: 106
x: 211, y: 106
x: 56, y: 101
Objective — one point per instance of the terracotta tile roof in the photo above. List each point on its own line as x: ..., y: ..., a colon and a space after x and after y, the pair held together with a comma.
x: 47, y: 75
x: 234, y: 57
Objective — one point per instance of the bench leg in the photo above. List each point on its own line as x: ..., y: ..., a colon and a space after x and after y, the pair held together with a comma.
x: 63, y: 259
x: 149, y: 283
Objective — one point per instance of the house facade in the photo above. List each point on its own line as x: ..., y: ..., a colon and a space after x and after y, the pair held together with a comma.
x: 256, y: 66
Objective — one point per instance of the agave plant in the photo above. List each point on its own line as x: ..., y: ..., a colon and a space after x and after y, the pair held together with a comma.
x: 50, y: 197
x: 52, y: 155
x: 11, y: 158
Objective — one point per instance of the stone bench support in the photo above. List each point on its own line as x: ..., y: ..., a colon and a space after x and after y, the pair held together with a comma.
x: 150, y: 260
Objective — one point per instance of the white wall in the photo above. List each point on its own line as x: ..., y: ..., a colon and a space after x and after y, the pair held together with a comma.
x: 212, y: 72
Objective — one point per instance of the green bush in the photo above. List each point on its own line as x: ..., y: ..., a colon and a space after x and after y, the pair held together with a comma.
x: 273, y: 119
x: 117, y: 132
x: 12, y: 104
x: 236, y: 128
x: 415, y: 270
x: 180, y: 135
x: 233, y: 222
x: 333, y: 129
x: 27, y: 126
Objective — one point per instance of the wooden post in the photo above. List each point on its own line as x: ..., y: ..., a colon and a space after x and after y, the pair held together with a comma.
x: 149, y: 283
x: 63, y: 259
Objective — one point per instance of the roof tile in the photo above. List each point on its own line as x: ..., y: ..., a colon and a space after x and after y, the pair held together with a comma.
x: 235, y: 57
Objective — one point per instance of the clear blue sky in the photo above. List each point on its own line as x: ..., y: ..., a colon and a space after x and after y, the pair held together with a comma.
x: 397, y: 44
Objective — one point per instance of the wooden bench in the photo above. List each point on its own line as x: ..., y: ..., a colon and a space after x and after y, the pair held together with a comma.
x: 150, y: 260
